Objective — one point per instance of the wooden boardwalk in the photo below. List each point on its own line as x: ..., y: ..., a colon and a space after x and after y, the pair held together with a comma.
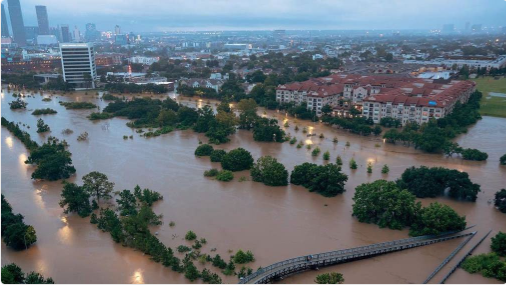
x: 291, y: 266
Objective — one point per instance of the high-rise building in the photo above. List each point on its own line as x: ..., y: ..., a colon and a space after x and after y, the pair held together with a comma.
x: 42, y: 20
x: 5, y: 27
x: 91, y: 33
x: 120, y: 40
x: 78, y: 64
x: 117, y: 30
x: 18, y: 26
x: 31, y: 33
x: 55, y: 31
x: 64, y: 33
x: 77, y: 35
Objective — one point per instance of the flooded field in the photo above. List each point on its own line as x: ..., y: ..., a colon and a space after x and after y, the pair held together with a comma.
x: 275, y: 223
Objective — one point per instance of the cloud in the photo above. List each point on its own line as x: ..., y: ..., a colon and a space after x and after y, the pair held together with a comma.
x: 157, y: 15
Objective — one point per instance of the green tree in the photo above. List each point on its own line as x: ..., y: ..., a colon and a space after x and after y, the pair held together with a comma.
x: 383, y: 203
x: 353, y: 164
x: 37, y: 278
x: 190, y: 235
x: 127, y: 203
x: 242, y: 257
x: 499, y: 244
x: 330, y: 278
x: 329, y: 181
x: 339, y: 161
x: 369, y: 168
x: 42, y: 127
x: 432, y: 182
x: 326, y: 156
x: 500, y: 200
x: 247, y: 113
x: 75, y: 199
x: 217, y: 155
x: 502, y: 160
x: 204, y: 150
x: 52, y: 160
x: 191, y: 272
x: 97, y: 185
x: 12, y: 274
x: 225, y: 176
x: 20, y: 236
x: 237, y: 160
x: 436, y: 219
x: 269, y: 171
x: 385, y: 169
x: 15, y: 232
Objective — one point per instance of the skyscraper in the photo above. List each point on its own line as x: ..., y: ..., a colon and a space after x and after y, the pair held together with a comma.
x: 64, y: 33
x: 77, y: 34
x: 117, y: 30
x: 42, y: 20
x: 91, y: 33
x: 5, y: 27
x: 78, y: 64
x: 18, y: 26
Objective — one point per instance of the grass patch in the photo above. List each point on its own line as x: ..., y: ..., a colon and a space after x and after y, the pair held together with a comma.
x: 492, y: 105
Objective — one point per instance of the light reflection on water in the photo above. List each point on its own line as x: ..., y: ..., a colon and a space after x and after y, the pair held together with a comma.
x: 137, y: 277
x: 65, y: 233
x: 8, y: 141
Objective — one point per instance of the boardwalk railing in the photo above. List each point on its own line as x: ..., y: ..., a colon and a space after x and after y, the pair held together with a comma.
x: 454, y: 252
x: 463, y: 258
x: 302, y: 263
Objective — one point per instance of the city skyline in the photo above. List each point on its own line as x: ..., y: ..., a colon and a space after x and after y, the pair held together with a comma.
x: 160, y: 16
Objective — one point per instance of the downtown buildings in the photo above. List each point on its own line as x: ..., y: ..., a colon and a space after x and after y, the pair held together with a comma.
x: 17, y: 24
x: 376, y: 97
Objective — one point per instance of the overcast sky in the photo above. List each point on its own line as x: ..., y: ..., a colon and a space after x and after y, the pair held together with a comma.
x: 170, y: 15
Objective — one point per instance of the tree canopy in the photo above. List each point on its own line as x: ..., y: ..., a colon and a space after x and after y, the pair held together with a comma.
x: 269, y: 171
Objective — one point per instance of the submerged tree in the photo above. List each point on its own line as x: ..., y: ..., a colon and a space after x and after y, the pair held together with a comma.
x: 97, y: 185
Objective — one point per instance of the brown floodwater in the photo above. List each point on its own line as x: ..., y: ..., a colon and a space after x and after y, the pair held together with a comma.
x: 275, y: 223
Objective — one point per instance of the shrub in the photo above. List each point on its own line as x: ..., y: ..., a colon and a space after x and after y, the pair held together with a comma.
x: 315, y: 152
x: 329, y: 278
x: 217, y: 155
x: 42, y: 127
x: 100, y: 115
x: 204, y: 150
x: 353, y: 164
x: 369, y: 168
x: 385, y: 169
x: 242, y: 257
x: 326, y: 156
x: 78, y: 105
x: 237, y: 160
x: 18, y: 104
x: 502, y: 160
x: 190, y: 235
x: 211, y: 173
x: 474, y: 155
x: 225, y: 176
x: 44, y: 111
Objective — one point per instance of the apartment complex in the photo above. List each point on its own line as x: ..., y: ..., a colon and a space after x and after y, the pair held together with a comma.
x: 78, y: 64
x: 406, y: 99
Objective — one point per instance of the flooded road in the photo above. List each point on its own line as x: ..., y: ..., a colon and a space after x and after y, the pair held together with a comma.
x: 275, y: 223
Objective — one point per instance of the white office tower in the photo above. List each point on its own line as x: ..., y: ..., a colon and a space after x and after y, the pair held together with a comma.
x: 78, y: 64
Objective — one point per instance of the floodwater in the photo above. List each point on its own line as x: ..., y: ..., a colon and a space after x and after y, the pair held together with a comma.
x: 275, y: 223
